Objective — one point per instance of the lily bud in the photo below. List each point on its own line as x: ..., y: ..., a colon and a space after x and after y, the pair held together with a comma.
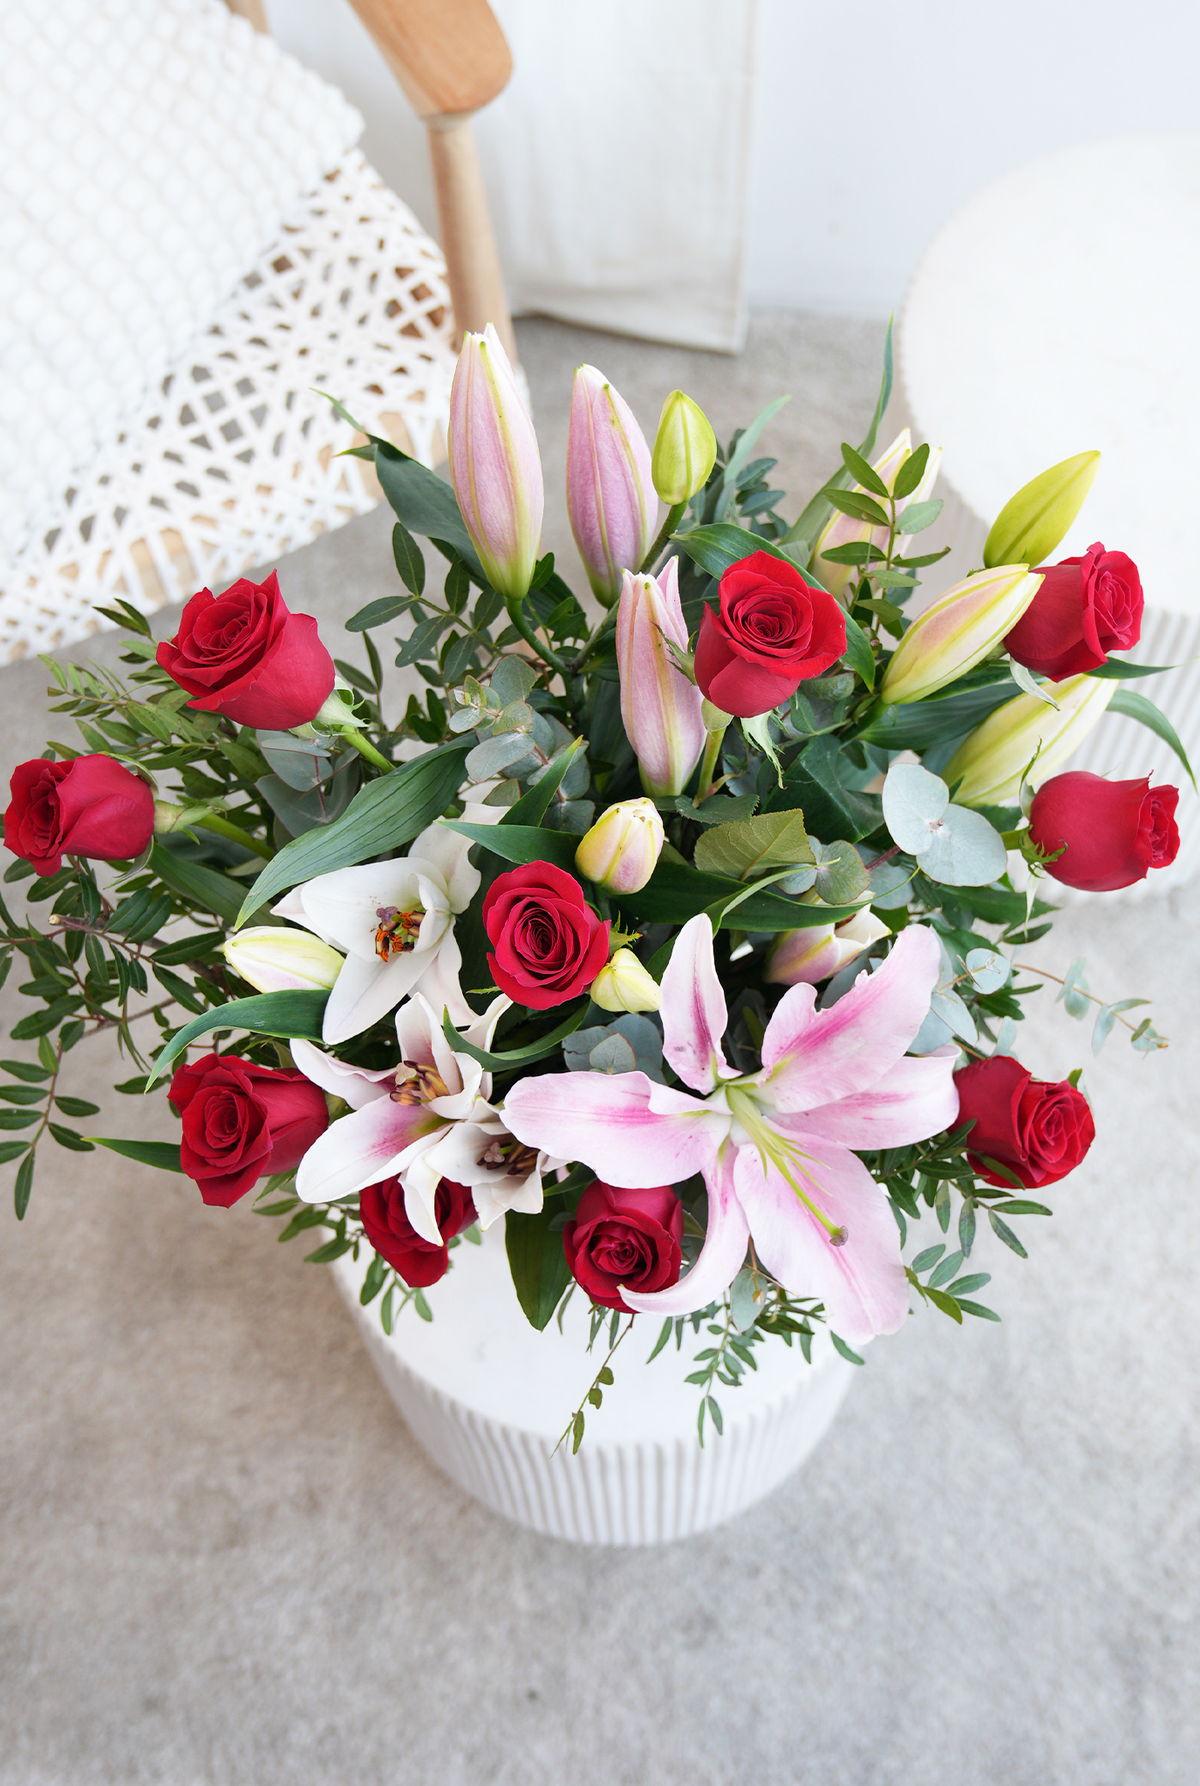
x: 803, y: 957
x: 685, y: 450
x: 494, y: 463
x: 991, y: 761
x: 1031, y: 523
x: 625, y: 985
x: 610, y: 493
x: 622, y: 848
x: 958, y: 631
x: 660, y: 707
x: 273, y: 959
x: 844, y: 530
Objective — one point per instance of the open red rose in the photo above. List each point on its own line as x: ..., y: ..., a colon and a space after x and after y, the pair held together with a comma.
x: 773, y: 632
x: 548, y: 942
x: 242, y: 1121
x: 1085, y: 608
x: 1040, y: 1132
x: 90, y: 806
x: 624, y: 1237
x: 242, y: 654
x: 1114, y: 832
x: 419, y: 1262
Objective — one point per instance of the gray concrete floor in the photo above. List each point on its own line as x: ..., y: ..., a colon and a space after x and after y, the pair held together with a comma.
x: 225, y: 1560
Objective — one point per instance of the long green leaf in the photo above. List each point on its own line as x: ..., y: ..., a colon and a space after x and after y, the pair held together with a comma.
x: 515, y: 1057
x: 810, y: 524
x: 285, y: 1014
x: 916, y: 725
x: 383, y: 816
x: 740, y: 455
x: 531, y: 808
x: 538, y: 1262
x: 859, y: 655
x: 192, y: 880
x: 423, y: 501
x: 521, y: 843
x: 1120, y: 669
x: 676, y: 892
x: 716, y: 547
x: 163, y: 1154
x: 1135, y: 706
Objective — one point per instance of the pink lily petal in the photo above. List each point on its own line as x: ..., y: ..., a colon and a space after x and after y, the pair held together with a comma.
x: 812, y: 1057
x: 630, y: 1131
x: 720, y: 1257
x: 912, y: 1100
x: 694, y: 1013
x: 355, y: 1085
x: 361, y: 1149
x: 861, y: 1282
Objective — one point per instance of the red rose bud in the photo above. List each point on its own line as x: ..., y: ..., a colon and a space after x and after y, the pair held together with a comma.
x: 419, y: 1262
x: 549, y: 944
x: 243, y: 655
x: 1085, y: 608
x: 1110, y: 833
x: 1039, y: 1132
x: 628, y: 1238
x: 773, y: 632
x: 242, y: 1122
x: 90, y: 806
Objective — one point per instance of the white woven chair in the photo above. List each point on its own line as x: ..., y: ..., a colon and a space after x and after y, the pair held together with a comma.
x: 230, y: 460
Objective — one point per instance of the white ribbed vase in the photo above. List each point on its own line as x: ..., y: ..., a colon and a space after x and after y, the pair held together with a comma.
x: 487, y: 1396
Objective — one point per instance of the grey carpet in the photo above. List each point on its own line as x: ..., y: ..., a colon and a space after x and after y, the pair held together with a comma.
x: 225, y: 1560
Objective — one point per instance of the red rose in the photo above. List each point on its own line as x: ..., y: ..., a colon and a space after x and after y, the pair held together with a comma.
x: 624, y: 1237
x: 90, y: 806
x: 549, y: 944
x: 1114, y: 832
x: 419, y: 1262
x: 1040, y: 1132
x: 242, y: 654
x: 241, y: 1122
x: 1085, y: 608
x: 773, y: 632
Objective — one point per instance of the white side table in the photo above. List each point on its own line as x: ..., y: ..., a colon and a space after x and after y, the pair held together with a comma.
x: 1056, y: 311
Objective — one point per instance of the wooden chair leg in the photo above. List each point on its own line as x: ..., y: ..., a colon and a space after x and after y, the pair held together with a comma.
x: 468, y: 242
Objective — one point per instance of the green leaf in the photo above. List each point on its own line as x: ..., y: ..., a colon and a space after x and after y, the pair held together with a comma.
x: 197, y: 884
x: 863, y: 472
x: 383, y: 816
x: 839, y: 1345
x: 163, y: 1154
x: 23, y: 1185
x: 946, y: 1303
x: 410, y: 561
x: 22, y: 1094
x: 739, y: 458
x: 917, y: 725
x: 861, y: 508
x: 10, y: 1149
x: 859, y: 655
x: 77, y: 1107
x: 911, y: 472
x: 24, y: 1069
x: 515, y: 1057
x: 19, y: 1119
x: 1135, y: 706
x: 659, y: 1343
x: 538, y: 1262
x: 531, y: 808
x: 977, y: 1309
x: 716, y: 547
x: 1119, y: 669
x: 379, y: 613
x: 1004, y: 1232
x: 423, y: 502
x: 676, y: 892
x: 285, y: 1014
x: 746, y: 848
x: 520, y: 843
x: 918, y: 516
x: 830, y: 808
x: 333, y: 1249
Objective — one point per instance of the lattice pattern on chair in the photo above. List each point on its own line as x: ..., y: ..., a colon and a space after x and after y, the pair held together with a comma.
x: 233, y: 462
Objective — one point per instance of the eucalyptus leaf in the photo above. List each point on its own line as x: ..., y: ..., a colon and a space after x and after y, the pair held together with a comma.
x: 512, y: 679
x: 841, y: 876
x: 988, y: 970
x: 496, y: 754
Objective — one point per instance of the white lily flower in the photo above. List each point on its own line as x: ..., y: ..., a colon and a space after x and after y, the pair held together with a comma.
x: 391, y: 920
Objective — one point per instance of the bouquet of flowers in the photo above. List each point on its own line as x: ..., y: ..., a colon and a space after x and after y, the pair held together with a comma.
x: 684, y: 940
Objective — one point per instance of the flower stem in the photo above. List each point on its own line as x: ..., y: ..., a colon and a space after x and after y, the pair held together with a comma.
x: 515, y: 605
x: 708, y: 763
x: 213, y: 821
x: 366, y: 749
x: 674, y: 517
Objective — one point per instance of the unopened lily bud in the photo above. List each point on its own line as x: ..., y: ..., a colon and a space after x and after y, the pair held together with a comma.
x: 622, y: 848
x: 958, y: 631
x: 275, y: 959
x: 845, y: 530
x: 660, y: 707
x: 989, y: 764
x: 494, y: 463
x: 685, y: 450
x: 625, y: 985
x: 804, y: 957
x: 1031, y: 523
x: 610, y: 492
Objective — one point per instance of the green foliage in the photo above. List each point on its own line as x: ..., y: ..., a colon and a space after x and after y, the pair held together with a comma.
x: 538, y: 1262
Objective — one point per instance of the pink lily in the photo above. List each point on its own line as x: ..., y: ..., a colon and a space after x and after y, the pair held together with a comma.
x: 610, y: 493
x: 774, y: 1146
x: 661, y: 709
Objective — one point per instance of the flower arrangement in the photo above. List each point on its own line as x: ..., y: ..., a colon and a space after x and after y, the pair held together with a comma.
x: 684, y: 940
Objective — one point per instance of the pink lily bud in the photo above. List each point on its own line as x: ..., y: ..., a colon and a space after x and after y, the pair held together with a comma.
x: 494, y: 463
x: 610, y: 495
x: 660, y: 707
x: 804, y: 957
x: 621, y: 850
